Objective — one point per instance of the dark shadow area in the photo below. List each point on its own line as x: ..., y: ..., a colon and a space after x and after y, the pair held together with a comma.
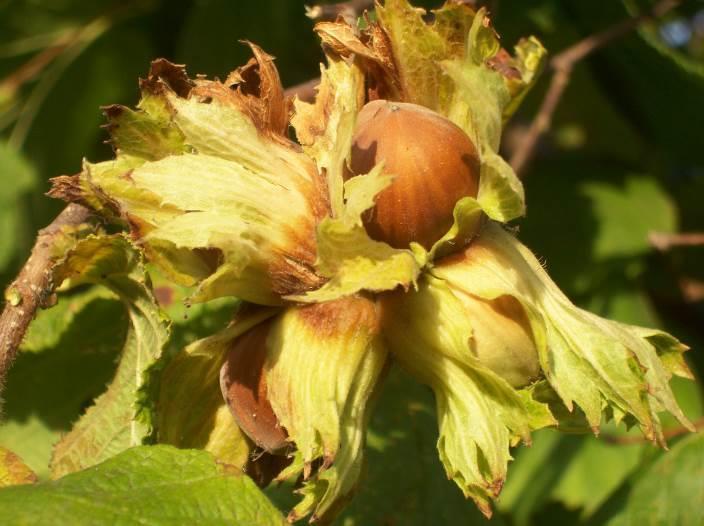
x: 404, y: 481
x: 58, y: 384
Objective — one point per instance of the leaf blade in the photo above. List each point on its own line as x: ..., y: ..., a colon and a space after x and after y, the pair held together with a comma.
x: 145, y: 485
x: 121, y: 417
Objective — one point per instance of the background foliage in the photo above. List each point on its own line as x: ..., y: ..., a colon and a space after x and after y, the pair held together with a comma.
x: 623, y: 158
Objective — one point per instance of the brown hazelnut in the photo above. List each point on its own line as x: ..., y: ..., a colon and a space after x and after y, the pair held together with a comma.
x: 243, y: 384
x: 434, y: 162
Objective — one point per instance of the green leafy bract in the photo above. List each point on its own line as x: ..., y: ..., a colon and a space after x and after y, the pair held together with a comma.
x: 456, y: 67
x: 350, y: 258
x: 594, y: 362
x: 205, y: 178
x: 418, y: 49
x: 479, y: 414
x: 322, y: 366
x: 479, y: 102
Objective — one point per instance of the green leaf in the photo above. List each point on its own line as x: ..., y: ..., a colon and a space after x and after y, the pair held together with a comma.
x: 579, y: 471
x: 18, y: 178
x: 671, y: 491
x: 122, y: 416
x: 66, y: 361
x: 19, y: 174
x: 13, y: 471
x: 584, y: 473
x: 156, y: 485
x: 534, y: 473
x: 627, y: 213
x: 47, y: 330
x: 596, y: 215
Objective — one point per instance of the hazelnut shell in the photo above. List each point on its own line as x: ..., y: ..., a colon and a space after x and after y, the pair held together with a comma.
x: 434, y: 162
x: 243, y: 384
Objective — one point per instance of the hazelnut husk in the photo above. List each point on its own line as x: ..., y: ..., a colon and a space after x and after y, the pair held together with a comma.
x: 502, y: 338
x: 243, y: 384
x: 434, y: 162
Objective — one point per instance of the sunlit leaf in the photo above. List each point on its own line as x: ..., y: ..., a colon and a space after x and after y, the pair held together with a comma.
x: 145, y: 485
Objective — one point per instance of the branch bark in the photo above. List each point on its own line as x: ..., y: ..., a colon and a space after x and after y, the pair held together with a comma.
x: 667, y: 434
x: 563, y: 64
x: 33, y: 286
x: 304, y: 91
x: 664, y: 242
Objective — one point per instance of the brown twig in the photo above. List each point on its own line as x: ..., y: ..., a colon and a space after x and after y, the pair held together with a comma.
x: 664, y: 241
x: 304, y: 91
x: 692, y: 289
x: 33, y: 286
x: 349, y: 11
x: 667, y: 434
x: 562, y: 66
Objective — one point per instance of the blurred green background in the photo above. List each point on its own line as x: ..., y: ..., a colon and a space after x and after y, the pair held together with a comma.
x: 623, y: 159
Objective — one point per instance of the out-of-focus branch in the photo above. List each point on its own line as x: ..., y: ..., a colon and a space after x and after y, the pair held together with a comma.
x: 692, y: 290
x: 664, y: 242
x: 667, y: 434
x: 304, y: 91
x: 33, y: 286
x: 349, y: 11
x: 562, y: 66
